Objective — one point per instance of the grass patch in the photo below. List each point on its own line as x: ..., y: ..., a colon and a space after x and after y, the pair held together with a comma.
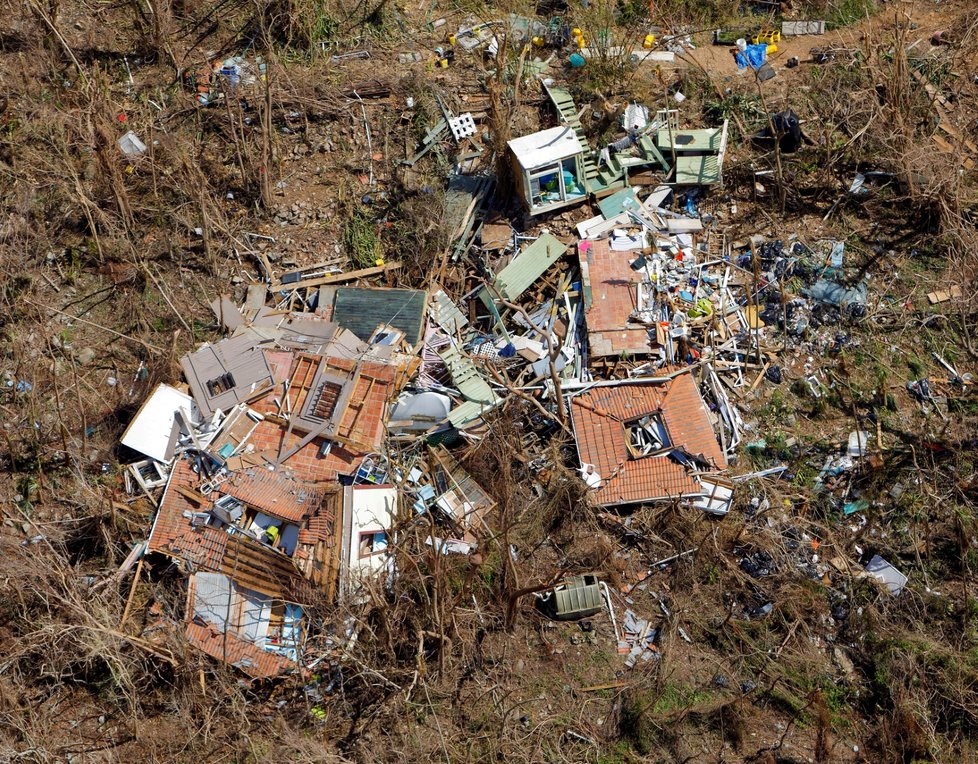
x: 360, y: 239
x: 842, y: 13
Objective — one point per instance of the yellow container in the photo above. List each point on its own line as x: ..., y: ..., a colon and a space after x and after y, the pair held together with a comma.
x: 451, y: 39
x: 443, y: 63
x: 771, y: 49
x: 649, y: 41
x: 767, y: 37
x: 575, y: 32
x: 581, y: 42
x: 538, y: 41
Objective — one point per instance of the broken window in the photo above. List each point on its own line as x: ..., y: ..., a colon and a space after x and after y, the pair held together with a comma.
x: 220, y: 384
x: 372, y: 542
x: 647, y: 436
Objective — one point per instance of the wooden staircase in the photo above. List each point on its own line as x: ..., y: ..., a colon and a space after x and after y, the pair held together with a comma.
x: 597, y: 179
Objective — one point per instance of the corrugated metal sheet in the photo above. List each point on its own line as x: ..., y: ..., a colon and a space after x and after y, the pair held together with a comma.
x: 363, y: 310
x: 802, y: 27
x: 580, y: 596
x: 528, y: 266
x: 479, y: 396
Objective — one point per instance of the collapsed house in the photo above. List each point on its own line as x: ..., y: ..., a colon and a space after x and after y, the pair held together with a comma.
x: 325, y: 421
x: 557, y: 168
x: 645, y: 442
x: 273, y: 492
x: 250, y: 462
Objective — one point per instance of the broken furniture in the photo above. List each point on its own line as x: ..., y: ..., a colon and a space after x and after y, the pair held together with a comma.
x: 697, y: 155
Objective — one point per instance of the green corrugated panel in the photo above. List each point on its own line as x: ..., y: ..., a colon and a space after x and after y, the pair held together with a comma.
x: 528, y: 266
x: 362, y: 310
x: 467, y: 378
x: 578, y: 597
x: 479, y: 396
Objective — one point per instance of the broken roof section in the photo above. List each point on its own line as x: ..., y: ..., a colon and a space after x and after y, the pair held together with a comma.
x: 336, y: 399
x: 639, y: 442
x: 222, y: 531
x: 256, y: 634
x: 529, y: 265
x: 362, y: 311
x: 226, y: 373
x: 610, y: 297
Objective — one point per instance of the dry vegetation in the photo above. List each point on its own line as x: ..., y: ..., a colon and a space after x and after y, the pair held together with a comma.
x: 106, y: 267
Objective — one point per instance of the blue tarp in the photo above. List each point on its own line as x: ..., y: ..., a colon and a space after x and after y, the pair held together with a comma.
x: 753, y: 56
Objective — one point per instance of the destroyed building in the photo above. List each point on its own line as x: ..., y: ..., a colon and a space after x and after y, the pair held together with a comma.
x: 645, y: 442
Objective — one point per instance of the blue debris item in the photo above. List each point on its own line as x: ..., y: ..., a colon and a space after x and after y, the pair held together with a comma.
x: 850, y: 508
x: 837, y: 254
x: 753, y: 56
x: 577, y: 60
x: 832, y: 293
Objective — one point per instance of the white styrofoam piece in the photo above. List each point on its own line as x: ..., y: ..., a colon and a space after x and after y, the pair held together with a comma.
x: 462, y: 126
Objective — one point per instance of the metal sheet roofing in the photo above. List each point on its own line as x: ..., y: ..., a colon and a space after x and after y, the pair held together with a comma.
x: 467, y: 378
x: 226, y: 373
x: 362, y: 310
x: 528, y: 266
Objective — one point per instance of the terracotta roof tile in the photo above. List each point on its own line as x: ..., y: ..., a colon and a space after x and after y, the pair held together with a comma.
x: 173, y: 533
x: 600, y: 418
x: 689, y: 423
x: 613, y: 298
x: 306, y: 463
x: 277, y: 493
x: 248, y: 657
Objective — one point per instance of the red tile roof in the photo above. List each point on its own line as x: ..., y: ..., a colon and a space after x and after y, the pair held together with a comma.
x: 276, y: 493
x: 173, y: 534
x: 248, y: 657
x: 321, y: 525
x: 306, y: 463
x: 600, y: 418
x: 689, y: 423
x: 209, y: 548
x: 363, y: 421
x: 613, y: 298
